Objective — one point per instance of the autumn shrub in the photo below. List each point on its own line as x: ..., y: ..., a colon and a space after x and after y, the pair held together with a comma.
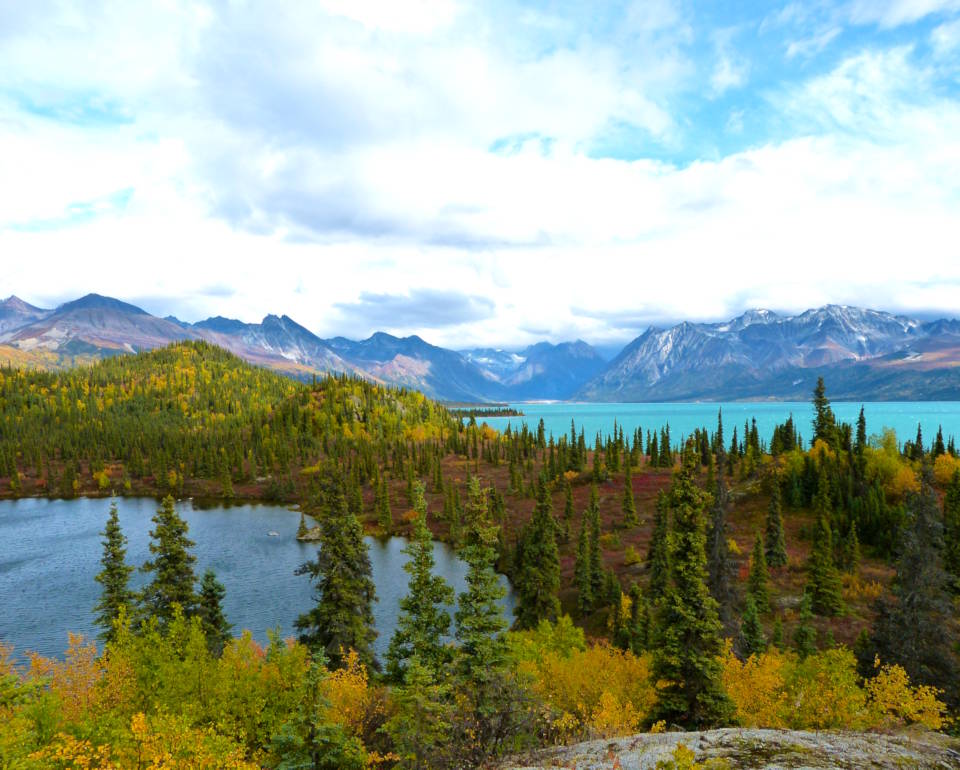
x: 823, y: 691
x: 943, y: 469
x: 595, y: 690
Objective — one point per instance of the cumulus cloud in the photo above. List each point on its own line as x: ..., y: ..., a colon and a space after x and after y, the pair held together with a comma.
x: 424, y: 308
x: 550, y: 173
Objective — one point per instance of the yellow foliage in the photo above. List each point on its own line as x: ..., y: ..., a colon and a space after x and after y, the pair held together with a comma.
x: 600, y: 690
x: 821, y: 449
x: 905, y: 480
x: 683, y: 758
x: 757, y: 687
x: 895, y: 702
x: 943, y: 469
x: 349, y: 694
x: 733, y: 547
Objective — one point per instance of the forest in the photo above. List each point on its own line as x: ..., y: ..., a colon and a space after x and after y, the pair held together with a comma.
x: 728, y: 579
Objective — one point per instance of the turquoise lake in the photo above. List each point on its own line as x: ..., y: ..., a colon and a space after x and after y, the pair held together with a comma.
x: 684, y: 418
x: 50, y: 551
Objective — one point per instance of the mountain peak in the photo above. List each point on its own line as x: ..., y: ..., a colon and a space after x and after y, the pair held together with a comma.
x: 99, y: 302
x: 13, y: 302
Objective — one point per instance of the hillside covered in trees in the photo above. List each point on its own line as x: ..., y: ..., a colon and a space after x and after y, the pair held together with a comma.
x: 734, y: 580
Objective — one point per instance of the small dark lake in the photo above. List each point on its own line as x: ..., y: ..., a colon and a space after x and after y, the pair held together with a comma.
x: 50, y: 552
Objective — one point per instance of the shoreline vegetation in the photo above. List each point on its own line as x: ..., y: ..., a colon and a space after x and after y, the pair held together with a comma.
x: 733, y: 579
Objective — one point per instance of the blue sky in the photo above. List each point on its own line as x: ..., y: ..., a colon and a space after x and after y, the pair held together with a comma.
x: 482, y: 172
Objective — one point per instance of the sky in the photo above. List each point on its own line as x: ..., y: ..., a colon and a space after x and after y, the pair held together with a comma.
x: 482, y: 173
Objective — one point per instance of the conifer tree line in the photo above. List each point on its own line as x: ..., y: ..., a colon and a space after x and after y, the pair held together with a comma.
x: 172, y: 589
x: 453, y: 677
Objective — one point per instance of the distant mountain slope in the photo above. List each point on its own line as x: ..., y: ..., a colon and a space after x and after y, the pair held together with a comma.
x: 541, y: 371
x: 862, y: 353
x: 14, y: 313
x: 413, y: 363
x: 95, y: 324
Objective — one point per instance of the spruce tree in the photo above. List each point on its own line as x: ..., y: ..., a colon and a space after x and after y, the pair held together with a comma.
x: 752, y: 640
x: 688, y: 644
x: 537, y: 578
x: 342, y: 616
x: 658, y: 557
x: 581, y: 569
x: 423, y: 622
x: 114, y: 578
x: 805, y: 634
x: 568, y: 510
x: 851, y: 550
x: 823, y: 578
x: 593, y: 541
x: 757, y: 581
x: 210, y: 611
x: 384, y: 514
x: 824, y: 423
x: 776, y: 638
x: 173, y: 580
x: 486, y: 713
x: 916, y: 626
x: 775, y: 547
x: 951, y: 532
x: 719, y: 564
x: 628, y: 506
x: 479, y: 621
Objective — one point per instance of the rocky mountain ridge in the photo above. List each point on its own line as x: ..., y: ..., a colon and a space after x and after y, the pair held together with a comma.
x: 864, y: 355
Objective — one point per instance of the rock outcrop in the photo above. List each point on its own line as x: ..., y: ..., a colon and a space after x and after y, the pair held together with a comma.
x: 758, y: 749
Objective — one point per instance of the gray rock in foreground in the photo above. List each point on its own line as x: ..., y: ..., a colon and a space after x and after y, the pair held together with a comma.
x: 759, y: 749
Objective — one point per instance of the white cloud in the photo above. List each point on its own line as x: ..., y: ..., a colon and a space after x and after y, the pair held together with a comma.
x: 945, y: 38
x: 894, y: 13
x: 310, y: 158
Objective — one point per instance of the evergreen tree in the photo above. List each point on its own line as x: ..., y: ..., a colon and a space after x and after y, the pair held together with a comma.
x: 805, y: 634
x: 951, y: 532
x: 658, y: 557
x: 757, y: 581
x: 639, y: 621
x: 487, y: 711
x: 568, y: 510
x: 629, y: 506
x: 593, y: 541
x: 342, y: 616
x: 719, y: 564
x: 537, y: 579
x: 114, y: 578
x: 479, y: 621
x: 384, y: 514
x: 823, y: 578
x: 309, y: 741
x: 775, y: 547
x: 916, y: 626
x: 210, y: 611
x: 776, y: 638
x: 752, y: 639
x: 423, y: 622
x: 938, y: 446
x: 173, y: 578
x: 824, y: 423
x: 688, y: 644
x: 861, y: 442
x: 581, y: 569
x: 851, y: 550
x: 421, y: 721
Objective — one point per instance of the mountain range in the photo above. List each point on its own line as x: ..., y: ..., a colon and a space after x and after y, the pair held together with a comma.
x: 863, y: 355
